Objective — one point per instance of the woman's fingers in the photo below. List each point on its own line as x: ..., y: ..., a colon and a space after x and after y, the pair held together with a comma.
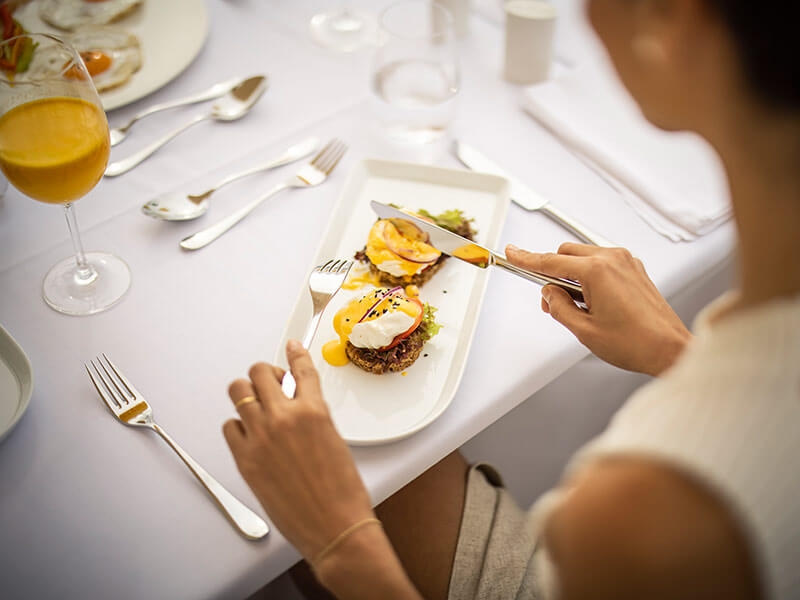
x: 556, y: 265
x: 244, y: 399
x: 563, y: 309
x: 574, y: 249
x: 304, y: 371
x: 267, y: 382
x: 234, y: 434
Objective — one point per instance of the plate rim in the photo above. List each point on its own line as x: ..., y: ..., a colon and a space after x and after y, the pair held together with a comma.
x: 120, y: 98
x: 504, y: 199
x: 10, y: 346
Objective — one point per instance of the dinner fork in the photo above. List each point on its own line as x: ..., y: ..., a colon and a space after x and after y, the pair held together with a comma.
x: 309, y: 175
x: 129, y: 406
x: 323, y: 284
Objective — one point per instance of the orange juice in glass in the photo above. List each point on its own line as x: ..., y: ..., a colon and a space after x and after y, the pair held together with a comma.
x: 54, y: 148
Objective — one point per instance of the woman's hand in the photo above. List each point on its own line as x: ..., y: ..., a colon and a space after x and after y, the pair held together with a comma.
x: 302, y: 472
x: 290, y: 454
x: 628, y: 323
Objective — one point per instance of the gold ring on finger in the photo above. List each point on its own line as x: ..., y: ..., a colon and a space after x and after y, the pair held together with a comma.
x: 245, y: 400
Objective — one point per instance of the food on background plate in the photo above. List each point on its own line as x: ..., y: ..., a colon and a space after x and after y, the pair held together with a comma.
x: 397, y: 252
x: 72, y: 14
x: 112, y: 55
x: 382, y: 331
x: 16, y: 57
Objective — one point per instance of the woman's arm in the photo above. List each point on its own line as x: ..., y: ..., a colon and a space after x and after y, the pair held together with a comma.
x: 302, y: 472
x: 633, y: 528
x: 628, y: 322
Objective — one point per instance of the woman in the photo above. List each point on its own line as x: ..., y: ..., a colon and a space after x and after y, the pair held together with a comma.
x: 691, y: 492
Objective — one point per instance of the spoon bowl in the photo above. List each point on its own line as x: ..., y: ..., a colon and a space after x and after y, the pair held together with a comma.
x: 175, y: 206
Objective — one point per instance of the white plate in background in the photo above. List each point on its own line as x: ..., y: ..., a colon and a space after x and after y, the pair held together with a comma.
x: 16, y: 382
x: 373, y: 409
x: 171, y: 34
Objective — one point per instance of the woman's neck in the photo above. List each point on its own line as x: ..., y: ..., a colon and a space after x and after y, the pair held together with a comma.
x: 761, y: 153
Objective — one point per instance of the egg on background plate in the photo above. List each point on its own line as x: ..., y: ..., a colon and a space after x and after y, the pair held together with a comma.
x: 111, y: 54
x: 72, y: 14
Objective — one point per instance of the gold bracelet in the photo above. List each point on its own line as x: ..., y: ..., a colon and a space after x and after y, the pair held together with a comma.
x: 339, y: 539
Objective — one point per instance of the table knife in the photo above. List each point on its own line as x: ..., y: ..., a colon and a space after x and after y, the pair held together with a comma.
x: 526, y: 197
x: 466, y: 250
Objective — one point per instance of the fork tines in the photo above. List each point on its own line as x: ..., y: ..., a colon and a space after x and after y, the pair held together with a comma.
x: 114, y: 388
x: 330, y: 155
x: 334, y: 266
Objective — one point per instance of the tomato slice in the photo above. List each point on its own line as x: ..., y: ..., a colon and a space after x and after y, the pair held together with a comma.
x: 410, y: 330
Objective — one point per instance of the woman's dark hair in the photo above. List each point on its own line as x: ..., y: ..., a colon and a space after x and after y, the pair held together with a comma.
x: 767, y: 39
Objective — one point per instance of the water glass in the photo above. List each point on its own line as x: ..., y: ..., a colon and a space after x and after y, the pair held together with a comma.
x: 415, y: 77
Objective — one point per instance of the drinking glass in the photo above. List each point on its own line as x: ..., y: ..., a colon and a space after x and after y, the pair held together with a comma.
x: 344, y: 29
x: 54, y: 148
x: 415, y: 77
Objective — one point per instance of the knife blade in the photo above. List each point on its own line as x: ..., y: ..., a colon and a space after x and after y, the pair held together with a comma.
x: 526, y: 197
x: 468, y: 251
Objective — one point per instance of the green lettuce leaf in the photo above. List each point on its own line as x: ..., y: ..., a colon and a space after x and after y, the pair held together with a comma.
x: 429, y: 321
x: 449, y: 219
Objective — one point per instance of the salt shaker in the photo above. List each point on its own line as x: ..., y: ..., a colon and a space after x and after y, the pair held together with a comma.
x: 530, y: 28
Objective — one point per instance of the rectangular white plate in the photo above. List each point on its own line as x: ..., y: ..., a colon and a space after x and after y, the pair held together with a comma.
x: 374, y: 409
x: 16, y: 382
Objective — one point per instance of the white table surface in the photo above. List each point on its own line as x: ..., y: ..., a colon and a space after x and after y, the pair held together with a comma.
x: 91, y: 509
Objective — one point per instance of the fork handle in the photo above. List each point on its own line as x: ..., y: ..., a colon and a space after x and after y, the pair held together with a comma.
x: 209, y: 234
x: 245, y: 520
x: 289, y: 385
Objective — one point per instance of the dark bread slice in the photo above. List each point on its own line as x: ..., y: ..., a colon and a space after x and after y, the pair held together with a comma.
x: 398, y: 358
x: 403, y: 280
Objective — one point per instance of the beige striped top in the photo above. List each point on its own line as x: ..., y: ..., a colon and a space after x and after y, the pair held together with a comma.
x: 728, y: 414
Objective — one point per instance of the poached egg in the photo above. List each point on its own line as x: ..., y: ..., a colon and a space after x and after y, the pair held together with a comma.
x: 372, y: 321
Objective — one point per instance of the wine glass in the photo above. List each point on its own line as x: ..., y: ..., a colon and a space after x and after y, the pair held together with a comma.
x: 344, y: 29
x: 54, y: 148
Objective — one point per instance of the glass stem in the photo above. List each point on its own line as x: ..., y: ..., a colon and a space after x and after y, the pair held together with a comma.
x: 84, y: 272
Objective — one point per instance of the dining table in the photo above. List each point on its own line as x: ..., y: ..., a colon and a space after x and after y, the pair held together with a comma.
x: 91, y: 509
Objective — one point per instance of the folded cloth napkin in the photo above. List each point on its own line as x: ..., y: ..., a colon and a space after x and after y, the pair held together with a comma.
x: 675, y: 181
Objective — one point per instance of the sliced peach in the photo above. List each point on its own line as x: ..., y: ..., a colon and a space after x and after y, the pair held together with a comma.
x: 412, y: 250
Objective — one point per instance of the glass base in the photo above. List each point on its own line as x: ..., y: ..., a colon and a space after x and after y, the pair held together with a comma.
x: 65, y: 291
x: 343, y: 29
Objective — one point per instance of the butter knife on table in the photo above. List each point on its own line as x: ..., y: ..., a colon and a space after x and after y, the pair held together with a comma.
x: 526, y: 197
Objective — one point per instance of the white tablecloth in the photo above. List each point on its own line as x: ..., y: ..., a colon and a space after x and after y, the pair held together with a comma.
x: 91, y: 509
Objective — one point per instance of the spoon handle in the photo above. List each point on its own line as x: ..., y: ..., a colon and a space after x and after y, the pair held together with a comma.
x: 215, y: 91
x: 209, y: 234
x: 126, y: 164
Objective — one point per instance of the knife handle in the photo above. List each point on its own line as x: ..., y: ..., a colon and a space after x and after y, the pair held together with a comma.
x: 575, y: 227
x: 573, y: 288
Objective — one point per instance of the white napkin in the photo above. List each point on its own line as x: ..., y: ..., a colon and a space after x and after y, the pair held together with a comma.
x: 674, y: 181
